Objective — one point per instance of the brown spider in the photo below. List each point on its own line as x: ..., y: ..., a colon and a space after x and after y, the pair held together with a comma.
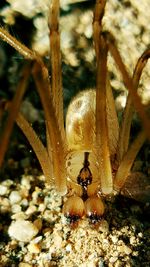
x: 92, y: 155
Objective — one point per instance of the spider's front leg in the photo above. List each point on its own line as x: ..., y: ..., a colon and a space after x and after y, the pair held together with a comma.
x: 107, y: 127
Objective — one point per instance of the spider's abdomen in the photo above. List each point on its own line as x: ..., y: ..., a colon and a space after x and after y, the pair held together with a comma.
x: 80, y: 122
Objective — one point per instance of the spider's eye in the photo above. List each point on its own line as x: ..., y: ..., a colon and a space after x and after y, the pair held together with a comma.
x: 74, y: 209
x: 94, y: 209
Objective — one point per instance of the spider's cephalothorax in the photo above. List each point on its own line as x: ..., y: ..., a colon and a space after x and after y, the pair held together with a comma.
x: 81, y: 158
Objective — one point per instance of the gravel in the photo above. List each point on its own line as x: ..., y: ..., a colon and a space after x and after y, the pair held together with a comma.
x: 39, y: 234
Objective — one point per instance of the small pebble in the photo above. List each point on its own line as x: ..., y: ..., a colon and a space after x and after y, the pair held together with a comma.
x: 24, y: 202
x: 34, y: 248
x: 132, y: 240
x: 113, y: 259
x: 38, y: 224
x: 124, y: 249
x: 35, y: 195
x: 68, y: 248
x: 114, y: 239
x: 14, y: 197
x: 16, y: 208
x: 41, y: 207
x: 5, y: 205
x: 36, y: 239
x: 7, y: 183
x: 25, y: 181
x: 13, y: 244
x: 140, y: 234
x: 3, y: 190
x: 19, y: 216
x: 31, y: 209
x: 89, y: 264
x: 57, y: 239
x: 22, y: 230
x: 24, y: 192
x: 128, y: 250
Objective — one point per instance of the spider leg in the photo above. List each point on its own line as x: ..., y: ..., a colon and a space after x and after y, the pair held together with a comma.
x: 35, y: 142
x: 41, y: 78
x: 55, y: 58
x: 137, y: 186
x: 13, y: 111
x: 21, y: 48
x: 103, y: 42
x: 127, y: 157
x: 128, y: 113
x: 127, y: 161
x: 97, y: 24
x: 37, y: 146
x: 112, y: 121
x: 130, y: 84
x: 102, y: 146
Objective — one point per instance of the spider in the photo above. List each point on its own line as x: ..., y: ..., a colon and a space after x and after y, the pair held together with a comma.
x: 90, y: 157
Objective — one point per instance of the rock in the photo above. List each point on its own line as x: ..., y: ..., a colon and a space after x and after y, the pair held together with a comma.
x: 124, y: 249
x: 26, y: 181
x: 3, y: 190
x: 114, y: 239
x: 34, y: 248
x: 16, y: 208
x: 22, y: 230
x: 31, y: 209
x: 14, y: 197
x: 19, y: 216
x: 38, y: 224
x: 5, y: 205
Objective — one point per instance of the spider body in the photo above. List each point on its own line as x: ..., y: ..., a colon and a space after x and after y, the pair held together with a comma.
x: 91, y: 156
